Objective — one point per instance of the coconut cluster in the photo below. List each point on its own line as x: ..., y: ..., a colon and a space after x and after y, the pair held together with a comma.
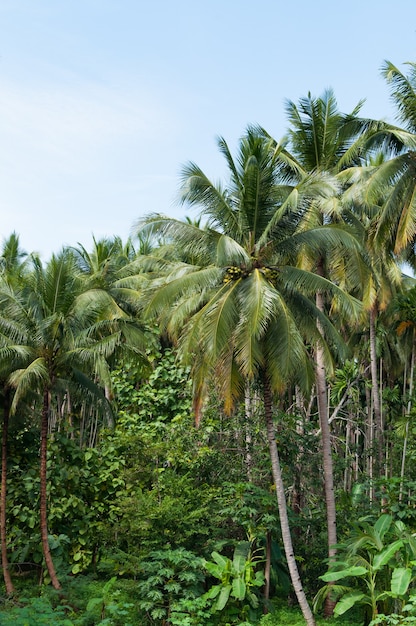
x: 235, y: 272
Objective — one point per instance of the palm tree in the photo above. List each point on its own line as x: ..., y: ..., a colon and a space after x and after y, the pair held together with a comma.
x: 394, y: 180
x: 239, y: 310
x: 321, y: 139
x: 13, y: 264
x: 384, y: 279
x: 112, y: 266
x: 3, y: 503
x: 60, y: 336
x: 13, y: 260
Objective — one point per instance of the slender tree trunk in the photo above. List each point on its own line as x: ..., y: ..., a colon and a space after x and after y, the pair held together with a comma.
x: 369, y: 442
x: 356, y: 455
x: 43, y: 497
x: 3, y: 528
x: 267, y: 568
x: 375, y: 393
x: 248, y: 420
x: 297, y: 495
x: 347, y: 456
x: 281, y: 501
x: 322, y: 399
x: 409, y: 406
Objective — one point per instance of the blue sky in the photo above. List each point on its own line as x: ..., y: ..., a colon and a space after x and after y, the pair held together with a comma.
x: 103, y: 101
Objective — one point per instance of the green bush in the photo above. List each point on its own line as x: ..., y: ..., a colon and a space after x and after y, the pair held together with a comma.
x: 293, y: 617
x: 35, y: 612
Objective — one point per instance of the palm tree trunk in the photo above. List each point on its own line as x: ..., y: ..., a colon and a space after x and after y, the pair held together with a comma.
x: 375, y: 391
x: 3, y: 502
x: 267, y: 568
x: 409, y: 406
x: 248, y: 420
x: 281, y: 501
x: 322, y: 399
x: 43, y: 497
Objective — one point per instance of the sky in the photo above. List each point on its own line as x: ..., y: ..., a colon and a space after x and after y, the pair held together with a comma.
x: 102, y: 102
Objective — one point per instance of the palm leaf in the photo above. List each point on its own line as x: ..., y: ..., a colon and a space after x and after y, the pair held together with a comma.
x: 34, y: 376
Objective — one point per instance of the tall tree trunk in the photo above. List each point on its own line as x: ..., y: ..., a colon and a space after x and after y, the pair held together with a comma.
x: 347, y: 468
x: 322, y: 399
x: 297, y: 493
x: 281, y: 501
x: 43, y: 497
x: 3, y: 502
x: 409, y: 406
x: 267, y: 569
x: 248, y: 421
x: 375, y: 393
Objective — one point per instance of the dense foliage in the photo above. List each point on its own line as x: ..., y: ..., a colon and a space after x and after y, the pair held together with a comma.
x: 219, y: 424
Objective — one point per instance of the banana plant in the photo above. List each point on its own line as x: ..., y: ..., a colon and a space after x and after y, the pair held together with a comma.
x: 237, y: 578
x: 380, y: 560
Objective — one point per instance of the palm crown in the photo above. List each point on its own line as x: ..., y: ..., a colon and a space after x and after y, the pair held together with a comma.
x: 237, y: 302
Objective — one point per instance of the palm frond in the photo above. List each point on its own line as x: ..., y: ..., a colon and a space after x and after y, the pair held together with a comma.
x: 33, y: 377
x: 402, y: 92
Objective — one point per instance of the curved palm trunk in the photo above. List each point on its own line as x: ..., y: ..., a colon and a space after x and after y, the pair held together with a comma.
x: 3, y: 527
x: 43, y: 497
x: 281, y: 501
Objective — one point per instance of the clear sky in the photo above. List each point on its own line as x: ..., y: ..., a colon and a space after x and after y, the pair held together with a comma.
x: 103, y: 101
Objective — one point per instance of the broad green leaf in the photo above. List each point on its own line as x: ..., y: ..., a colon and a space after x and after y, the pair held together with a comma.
x: 109, y: 584
x: 213, y: 592
x: 355, y: 570
x: 240, y: 556
x: 214, y: 569
x: 400, y: 580
x: 94, y: 603
x: 253, y: 599
x: 258, y: 580
x: 239, y: 589
x: 348, y: 601
x: 412, y: 543
x: 381, y: 559
x: 383, y: 524
x: 218, y: 558
x: 223, y: 598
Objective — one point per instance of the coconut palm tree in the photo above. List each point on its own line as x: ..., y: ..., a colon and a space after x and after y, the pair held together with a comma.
x: 394, y: 180
x: 13, y: 259
x: 6, y: 400
x: 238, y: 309
x: 382, y: 283
x: 112, y: 266
x: 323, y: 140
x: 13, y: 264
x: 59, y: 336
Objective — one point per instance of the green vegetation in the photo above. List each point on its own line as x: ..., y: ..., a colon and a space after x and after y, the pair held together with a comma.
x: 218, y: 427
